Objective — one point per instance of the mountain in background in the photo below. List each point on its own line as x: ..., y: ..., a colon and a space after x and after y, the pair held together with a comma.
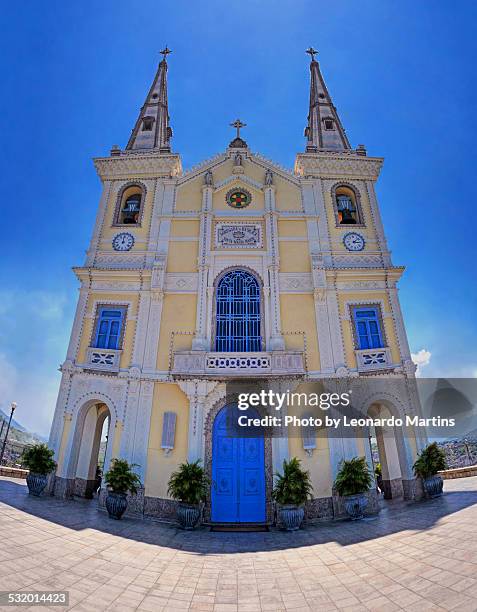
x: 19, y: 433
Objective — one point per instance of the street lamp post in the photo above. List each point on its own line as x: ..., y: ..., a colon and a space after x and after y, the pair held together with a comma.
x: 12, y: 410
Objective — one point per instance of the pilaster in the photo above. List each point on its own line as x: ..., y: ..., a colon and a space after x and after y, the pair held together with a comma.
x: 276, y: 341
x: 200, y: 342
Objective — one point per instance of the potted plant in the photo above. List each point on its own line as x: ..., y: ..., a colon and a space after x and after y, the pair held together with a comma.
x: 352, y: 482
x: 431, y: 460
x: 39, y: 460
x: 120, y: 480
x: 188, y: 484
x: 291, y: 490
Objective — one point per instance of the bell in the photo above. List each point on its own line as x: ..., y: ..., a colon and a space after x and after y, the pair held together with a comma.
x: 347, y: 217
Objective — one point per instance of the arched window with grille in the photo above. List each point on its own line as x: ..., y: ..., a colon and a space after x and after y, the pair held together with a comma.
x: 238, y: 313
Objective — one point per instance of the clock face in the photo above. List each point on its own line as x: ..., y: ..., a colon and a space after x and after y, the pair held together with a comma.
x: 353, y: 241
x: 123, y: 242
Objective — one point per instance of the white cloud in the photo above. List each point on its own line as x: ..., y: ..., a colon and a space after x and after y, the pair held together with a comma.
x: 421, y: 359
x: 34, y: 330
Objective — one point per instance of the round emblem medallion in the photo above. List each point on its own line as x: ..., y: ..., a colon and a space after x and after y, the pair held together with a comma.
x: 238, y: 198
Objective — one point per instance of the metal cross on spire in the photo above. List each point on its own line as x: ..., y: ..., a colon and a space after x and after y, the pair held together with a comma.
x: 165, y: 52
x: 237, y: 124
x: 312, y: 52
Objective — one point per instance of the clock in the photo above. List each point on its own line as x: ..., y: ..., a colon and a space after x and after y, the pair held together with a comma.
x: 123, y: 242
x: 353, y: 241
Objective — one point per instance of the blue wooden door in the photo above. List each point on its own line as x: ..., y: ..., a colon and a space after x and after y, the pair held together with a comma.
x: 238, y: 476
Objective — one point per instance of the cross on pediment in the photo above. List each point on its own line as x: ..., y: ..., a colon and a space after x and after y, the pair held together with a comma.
x: 237, y: 124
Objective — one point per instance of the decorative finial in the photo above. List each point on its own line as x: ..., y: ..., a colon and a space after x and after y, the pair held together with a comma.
x: 312, y: 52
x: 165, y: 52
x: 237, y: 124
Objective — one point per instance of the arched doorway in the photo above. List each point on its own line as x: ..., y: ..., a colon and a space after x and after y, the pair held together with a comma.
x: 238, y: 474
x: 92, y: 450
x: 386, y: 453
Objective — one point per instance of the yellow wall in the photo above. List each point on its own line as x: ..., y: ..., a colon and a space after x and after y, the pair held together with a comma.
x: 294, y: 257
x: 178, y: 314
x: 186, y: 227
x: 298, y: 314
x: 319, y: 463
x: 183, y: 256
x: 292, y: 229
x: 167, y: 398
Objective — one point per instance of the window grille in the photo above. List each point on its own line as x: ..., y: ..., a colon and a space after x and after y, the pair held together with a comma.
x: 238, y: 313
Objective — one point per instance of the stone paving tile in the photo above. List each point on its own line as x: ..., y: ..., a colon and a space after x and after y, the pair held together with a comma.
x: 413, y: 557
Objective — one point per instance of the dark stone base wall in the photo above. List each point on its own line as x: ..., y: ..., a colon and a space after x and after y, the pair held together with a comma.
x: 64, y: 488
x: 85, y: 488
x: 393, y: 489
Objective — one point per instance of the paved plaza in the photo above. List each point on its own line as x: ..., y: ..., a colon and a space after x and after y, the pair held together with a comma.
x: 413, y: 557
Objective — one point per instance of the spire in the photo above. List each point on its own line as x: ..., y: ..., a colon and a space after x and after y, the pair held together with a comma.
x: 324, y: 131
x: 152, y: 130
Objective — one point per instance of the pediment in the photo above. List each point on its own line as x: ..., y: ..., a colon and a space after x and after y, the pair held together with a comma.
x: 216, y: 163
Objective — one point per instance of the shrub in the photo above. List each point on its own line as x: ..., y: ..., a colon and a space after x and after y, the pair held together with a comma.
x: 431, y: 460
x: 353, y: 477
x: 188, y: 483
x: 293, y: 487
x: 38, y: 459
x: 121, y: 478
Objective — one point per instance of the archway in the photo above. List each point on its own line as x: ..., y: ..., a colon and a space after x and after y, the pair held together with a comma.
x: 238, y: 491
x: 93, y: 441
x: 386, y: 451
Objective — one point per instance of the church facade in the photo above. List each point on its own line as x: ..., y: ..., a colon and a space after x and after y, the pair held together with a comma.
x: 235, y: 269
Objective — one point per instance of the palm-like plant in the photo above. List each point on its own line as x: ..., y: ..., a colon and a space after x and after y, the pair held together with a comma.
x: 431, y: 460
x: 353, y: 477
x: 188, y: 483
x: 293, y: 487
x: 121, y: 477
x: 38, y: 459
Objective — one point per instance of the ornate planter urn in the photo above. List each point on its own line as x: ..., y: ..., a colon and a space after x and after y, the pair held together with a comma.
x: 36, y: 483
x: 116, y: 504
x: 433, y: 486
x: 291, y: 517
x: 355, y: 505
x: 188, y: 515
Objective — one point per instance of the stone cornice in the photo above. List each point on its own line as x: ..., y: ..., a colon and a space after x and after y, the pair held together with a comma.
x: 338, y: 165
x: 138, y: 165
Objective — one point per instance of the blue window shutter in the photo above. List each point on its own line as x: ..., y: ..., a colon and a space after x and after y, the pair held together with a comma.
x: 109, y: 327
x: 168, y: 430
x: 368, y: 328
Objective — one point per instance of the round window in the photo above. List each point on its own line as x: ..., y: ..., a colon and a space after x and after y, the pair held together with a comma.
x: 238, y: 198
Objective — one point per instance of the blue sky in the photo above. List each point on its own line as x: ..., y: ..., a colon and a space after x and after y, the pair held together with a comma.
x: 74, y: 74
